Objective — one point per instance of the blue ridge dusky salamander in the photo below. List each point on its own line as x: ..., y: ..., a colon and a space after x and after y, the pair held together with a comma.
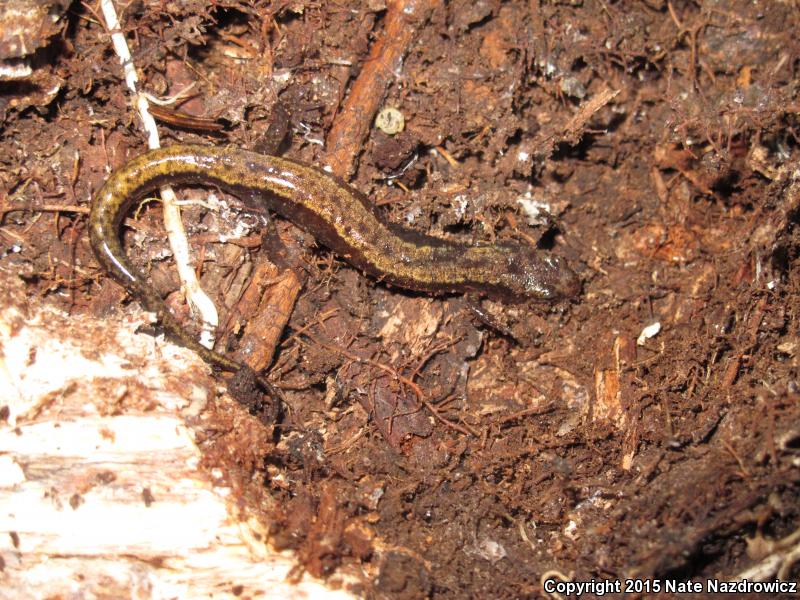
x: 336, y: 214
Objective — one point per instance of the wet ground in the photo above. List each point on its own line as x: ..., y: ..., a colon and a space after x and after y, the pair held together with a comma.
x: 646, y: 428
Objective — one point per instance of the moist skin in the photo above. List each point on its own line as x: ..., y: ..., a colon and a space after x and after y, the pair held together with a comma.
x: 337, y: 215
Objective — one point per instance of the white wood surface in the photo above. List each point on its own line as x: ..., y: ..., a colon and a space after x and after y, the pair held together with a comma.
x: 102, y: 493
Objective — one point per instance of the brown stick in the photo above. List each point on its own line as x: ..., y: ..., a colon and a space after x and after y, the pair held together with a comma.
x: 403, y: 18
x: 270, y: 299
x: 574, y: 128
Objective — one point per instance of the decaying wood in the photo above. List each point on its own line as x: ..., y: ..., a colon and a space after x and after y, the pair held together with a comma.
x: 103, y: 488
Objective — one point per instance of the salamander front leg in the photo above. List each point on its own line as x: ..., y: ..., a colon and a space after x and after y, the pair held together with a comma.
x: 479, y: 312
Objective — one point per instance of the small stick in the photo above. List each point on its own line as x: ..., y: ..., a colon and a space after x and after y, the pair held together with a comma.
x: 403, y: 17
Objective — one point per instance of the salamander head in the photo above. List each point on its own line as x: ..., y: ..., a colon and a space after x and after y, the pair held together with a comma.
x: 535, y: 275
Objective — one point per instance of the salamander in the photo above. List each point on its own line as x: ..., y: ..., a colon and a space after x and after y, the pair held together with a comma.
x: 336, y: 214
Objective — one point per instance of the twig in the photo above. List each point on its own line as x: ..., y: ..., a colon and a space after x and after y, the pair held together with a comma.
x: 573, y: 130
x: 447, y: 156
x: 267, y: 314
x: 354, y: 120
x: 73, y: 208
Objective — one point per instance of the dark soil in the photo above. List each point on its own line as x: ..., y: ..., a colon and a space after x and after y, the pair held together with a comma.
x: 596, y: 451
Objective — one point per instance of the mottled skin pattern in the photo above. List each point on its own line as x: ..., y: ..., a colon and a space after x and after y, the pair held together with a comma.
x: 336, y: 214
